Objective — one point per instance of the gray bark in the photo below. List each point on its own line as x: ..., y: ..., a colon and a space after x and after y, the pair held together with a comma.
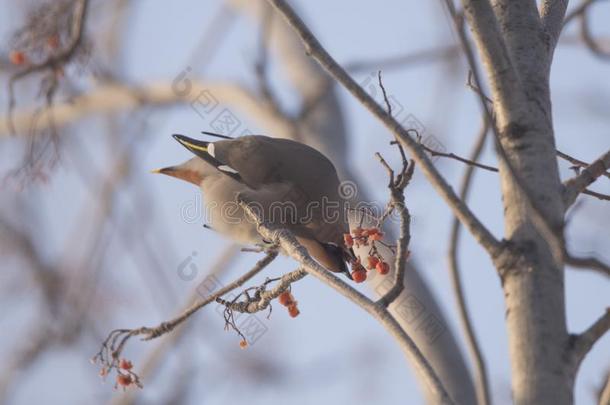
x: 516, y: 52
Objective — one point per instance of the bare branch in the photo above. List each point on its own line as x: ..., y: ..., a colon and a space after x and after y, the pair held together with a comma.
x: 589, y: 40
x: 482, y: 383
x: 494, y: 53
x: 459, y: 159
x: 289, y: 244
x: 155, y: 357
x: 115, y: 97
x: 53, y: 61
x: 577, y: 162
x: 400, y: 61
x: 580, y: 182
x: 587, y: 339
x: 315, y: 49
x: 590, y: 263
x: 552, y: 14
x: 397, y: 202
x: 262, y: 298
x: 599, y: 196
x: 577, y: 11
x: 114, y: 344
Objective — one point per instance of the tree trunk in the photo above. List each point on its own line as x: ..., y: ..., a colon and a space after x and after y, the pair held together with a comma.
x: 516, y: 54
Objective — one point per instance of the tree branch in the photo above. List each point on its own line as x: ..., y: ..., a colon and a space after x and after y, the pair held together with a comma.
x: 482, y: 383
x: 115, y: 97
x: 580, y: 182
x: 114, y: 344
x: 54, y: 60
x: 584, y: 342
x: 296, y: 251
x: 397, y: 202
x: 504, y: 79
x: 453, y: 156
x: 552, y: 13
x: 315, y: 49
x: 587, y: 263
x: 261, y: 301
x: 599, y: 196
x: 577, y: 162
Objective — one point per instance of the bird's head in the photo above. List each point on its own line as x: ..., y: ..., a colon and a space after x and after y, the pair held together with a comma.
x: 198, y: 168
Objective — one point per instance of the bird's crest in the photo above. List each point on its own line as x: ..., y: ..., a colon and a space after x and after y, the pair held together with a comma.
x: 205, y: 150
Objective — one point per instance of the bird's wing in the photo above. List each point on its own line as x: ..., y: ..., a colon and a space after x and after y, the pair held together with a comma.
x: 312, y: 180
x: 261, y: 160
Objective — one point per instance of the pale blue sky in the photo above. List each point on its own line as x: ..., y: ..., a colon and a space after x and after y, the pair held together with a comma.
x: 333, y: 352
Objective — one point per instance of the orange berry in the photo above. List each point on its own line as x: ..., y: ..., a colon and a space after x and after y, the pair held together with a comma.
x: 349, y: 241
x: 124, y: 380
x: 125, y: 364
x: 243, y: 344
x: 17, y: 57
x: 285, y: 298
x: 359, y: 275
x: 372, y: 262
x: 293, y: 310
x: 383, y: 268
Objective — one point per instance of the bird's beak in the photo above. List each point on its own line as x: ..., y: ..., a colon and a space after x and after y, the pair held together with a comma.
x: 199, y: 148
x: 166, y: 170
x: 180, y: 173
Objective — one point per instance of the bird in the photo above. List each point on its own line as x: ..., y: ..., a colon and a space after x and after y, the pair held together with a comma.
x: 288, y: 183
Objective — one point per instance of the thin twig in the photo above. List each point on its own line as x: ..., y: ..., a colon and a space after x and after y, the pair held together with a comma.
x: 54, y: 61
x: 295, y: 250
x: 114, y: 344
x: 587, y: 339
x: 397, y: 202
x: 599, y: 196
x: 577, y: 162
x: 262, y: 298
x: 590, y: 263
x: 459, y: 158
x: 578, y: 10
x: 588, y: 175
x: 470, y: 162
x: 589, y: 40
x: 482, y: 383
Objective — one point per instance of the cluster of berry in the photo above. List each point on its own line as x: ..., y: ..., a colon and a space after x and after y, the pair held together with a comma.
x: 125, y: 377
x: 287, y: 300
x: 365, y: 237
x: 20, y: 58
